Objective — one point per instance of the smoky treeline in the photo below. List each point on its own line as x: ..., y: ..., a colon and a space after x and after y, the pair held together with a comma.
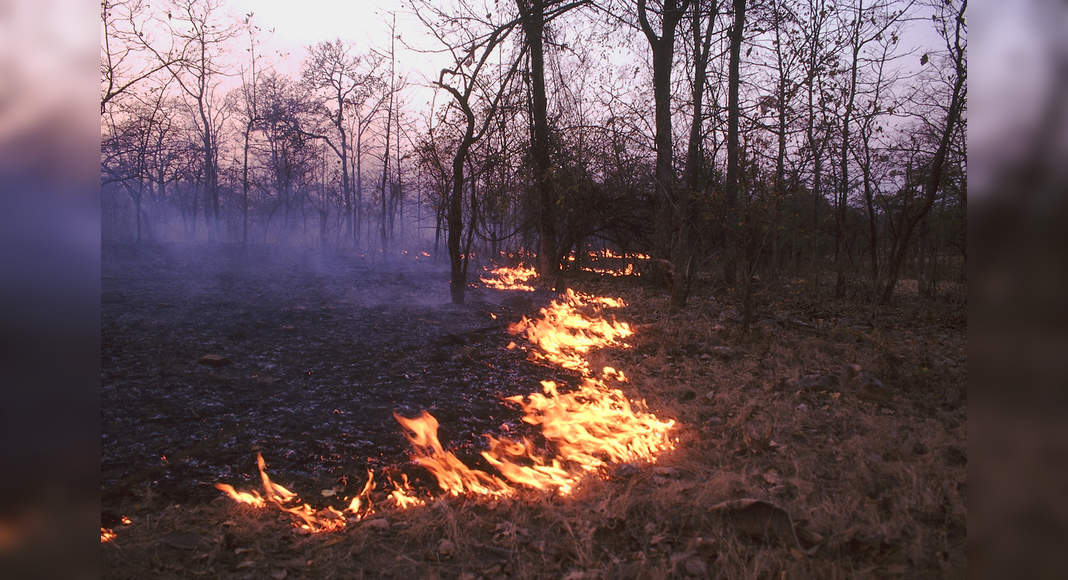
x: 745, y: 141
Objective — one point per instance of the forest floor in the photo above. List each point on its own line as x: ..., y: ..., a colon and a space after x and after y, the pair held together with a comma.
x: 851, y: 433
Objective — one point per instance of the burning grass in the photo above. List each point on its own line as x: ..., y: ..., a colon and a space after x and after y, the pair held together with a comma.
x: 857, y: 433
x: 586, y: 430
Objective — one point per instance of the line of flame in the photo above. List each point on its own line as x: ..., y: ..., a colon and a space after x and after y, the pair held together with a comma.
x: 586, y: 429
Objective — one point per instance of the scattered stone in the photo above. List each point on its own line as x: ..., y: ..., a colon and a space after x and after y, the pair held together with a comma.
x: 802, y: 407
x: 714, y: 421
x: 214, y: 360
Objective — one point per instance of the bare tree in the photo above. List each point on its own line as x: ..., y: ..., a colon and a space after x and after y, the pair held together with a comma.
x: 122, y: 64
x: 952, y: 27
x: 345, y: 82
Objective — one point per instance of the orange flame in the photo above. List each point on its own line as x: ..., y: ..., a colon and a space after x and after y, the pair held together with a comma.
x: 453, y: 476
x: 585, y: 429
x: 510, y: 278
x: 324, y: 520
x: 565, y: 336
x: 107, y: 535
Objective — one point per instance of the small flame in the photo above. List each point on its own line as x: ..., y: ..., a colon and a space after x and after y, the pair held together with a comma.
x: 403, y: 495
x: 107, y: 535
x: 312, y: 520
x: 616, y: 273
x: 503, y: 278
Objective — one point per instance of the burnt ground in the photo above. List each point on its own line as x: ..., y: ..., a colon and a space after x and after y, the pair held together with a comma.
x: 315, y: 354
x: 827, y: 440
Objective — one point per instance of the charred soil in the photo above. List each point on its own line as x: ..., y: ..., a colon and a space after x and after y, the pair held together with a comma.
x: 849, y: 432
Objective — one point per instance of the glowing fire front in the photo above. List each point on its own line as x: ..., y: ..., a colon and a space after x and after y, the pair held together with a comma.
x: 503, y: 278
x: 585, y: 429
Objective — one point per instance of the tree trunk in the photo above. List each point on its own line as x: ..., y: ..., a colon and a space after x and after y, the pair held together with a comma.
x: 733, y: 112
x: 533, y: 20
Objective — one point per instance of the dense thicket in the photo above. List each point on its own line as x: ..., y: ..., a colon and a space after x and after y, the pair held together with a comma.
x: 749, y: 140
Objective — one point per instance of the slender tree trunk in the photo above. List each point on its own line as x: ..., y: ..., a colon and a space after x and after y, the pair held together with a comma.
x: 733, y: 113
x: 533, y: 21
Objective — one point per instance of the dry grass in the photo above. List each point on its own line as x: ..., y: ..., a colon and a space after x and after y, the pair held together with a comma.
x: 873, y: 476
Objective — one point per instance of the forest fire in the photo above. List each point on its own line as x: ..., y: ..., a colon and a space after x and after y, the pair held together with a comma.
x: 503, y: 278
x: 107, y: 535
x: 615, y: 272
x: 586, y: 429
x: 311, y: 519
x: 565, y: 336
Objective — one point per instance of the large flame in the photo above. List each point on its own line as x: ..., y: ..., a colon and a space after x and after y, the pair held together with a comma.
x: 584, y: 430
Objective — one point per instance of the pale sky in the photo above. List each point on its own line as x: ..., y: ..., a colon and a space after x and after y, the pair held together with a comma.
x: 364, y: 24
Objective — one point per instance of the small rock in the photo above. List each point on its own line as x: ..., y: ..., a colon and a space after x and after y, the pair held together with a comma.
x: 714, y: 421
x: 377, y: 524
x: 445, y: 547
x: 802, y: 407
x: 695, y: 567
x: 710, y: 396
x: 214, y: 360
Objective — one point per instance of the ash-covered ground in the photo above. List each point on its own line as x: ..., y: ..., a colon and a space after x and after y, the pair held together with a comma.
x: 313, y: 353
